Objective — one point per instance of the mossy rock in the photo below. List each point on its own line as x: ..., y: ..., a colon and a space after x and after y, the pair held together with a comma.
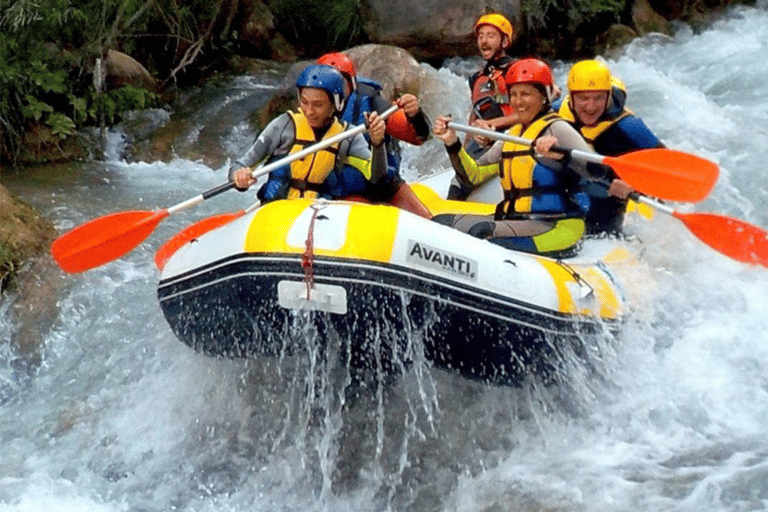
x: 23, y: 234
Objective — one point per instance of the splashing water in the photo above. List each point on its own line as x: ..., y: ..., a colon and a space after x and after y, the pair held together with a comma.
x: 120, y: 415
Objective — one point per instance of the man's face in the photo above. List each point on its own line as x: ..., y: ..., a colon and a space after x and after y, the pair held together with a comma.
x: 491, y: 42
x: 589, y: 105
x: 317, y: 106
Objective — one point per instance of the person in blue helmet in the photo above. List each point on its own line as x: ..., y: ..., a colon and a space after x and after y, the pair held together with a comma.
x: 409, y: 124
x: 595, y: 106
x: 321, y: 100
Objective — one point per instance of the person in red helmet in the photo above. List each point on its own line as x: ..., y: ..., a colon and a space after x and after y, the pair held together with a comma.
x: 409, y: 124
x: 491, y: 109
x: 541, y: 212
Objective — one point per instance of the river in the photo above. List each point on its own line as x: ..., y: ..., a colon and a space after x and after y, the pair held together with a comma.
x: 121, y: 416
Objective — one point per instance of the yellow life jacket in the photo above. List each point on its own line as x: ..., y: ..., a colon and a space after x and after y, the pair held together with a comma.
x: 309, y: 173
x: 528, y: 185
x: 590, y: 133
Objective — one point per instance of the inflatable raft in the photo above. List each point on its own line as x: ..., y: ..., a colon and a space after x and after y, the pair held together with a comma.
x: 380, y: 278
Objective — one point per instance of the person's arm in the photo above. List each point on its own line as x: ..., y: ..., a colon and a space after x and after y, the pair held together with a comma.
x: 565, y: 136
x: 370, y: 160
x: 501, y: 123
x: 637, y: 134
x: 409, y: 124
x: 568, y: 137
x: 467, y: 169
x: 275, y: 139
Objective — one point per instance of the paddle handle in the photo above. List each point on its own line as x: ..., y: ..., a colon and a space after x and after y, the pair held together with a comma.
x: 492, y: 134
x: 266, y: 169
x: 663, y: 208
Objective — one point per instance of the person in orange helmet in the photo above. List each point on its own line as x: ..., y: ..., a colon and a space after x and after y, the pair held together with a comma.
x: 489, y: 91
x: 490, y: 101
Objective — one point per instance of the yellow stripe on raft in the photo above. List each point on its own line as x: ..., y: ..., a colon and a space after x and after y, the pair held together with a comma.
x: 610, y: 305
x: 437, y: 205
x: 641, y: 209
x: 370, y: 229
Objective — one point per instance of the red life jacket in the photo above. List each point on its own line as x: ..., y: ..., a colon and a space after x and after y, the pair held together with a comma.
x: 490, y: 98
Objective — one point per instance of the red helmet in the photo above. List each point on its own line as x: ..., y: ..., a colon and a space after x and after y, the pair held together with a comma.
x: 341, y: 62
x: 532, y: 71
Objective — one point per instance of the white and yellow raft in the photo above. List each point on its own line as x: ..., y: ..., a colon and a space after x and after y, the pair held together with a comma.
x: 380, y: 277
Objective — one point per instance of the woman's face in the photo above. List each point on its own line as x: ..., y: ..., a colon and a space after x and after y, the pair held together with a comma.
x: 526, y: 101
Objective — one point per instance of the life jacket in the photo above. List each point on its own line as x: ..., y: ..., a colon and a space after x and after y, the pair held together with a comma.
x: 309, y: 173
x: 490, y: 98
x: 614, y: 112
x: 530, y: 186
x: 358, y: 103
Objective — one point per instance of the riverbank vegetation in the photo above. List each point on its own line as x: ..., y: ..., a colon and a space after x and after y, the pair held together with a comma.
x: 55, y: 56
x: 53, y: 72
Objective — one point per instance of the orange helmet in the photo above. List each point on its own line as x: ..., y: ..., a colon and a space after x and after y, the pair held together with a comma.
x: 497, y: 21
x: 343, y: 63
x: 532, y: 71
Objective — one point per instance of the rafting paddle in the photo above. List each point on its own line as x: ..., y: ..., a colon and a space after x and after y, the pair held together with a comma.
x: 107, y: 238
x: 196, y: 230
x: 665, y: 173
x: 735, y: 238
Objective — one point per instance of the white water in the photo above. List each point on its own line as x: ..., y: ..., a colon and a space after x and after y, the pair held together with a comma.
x: 122, y: 416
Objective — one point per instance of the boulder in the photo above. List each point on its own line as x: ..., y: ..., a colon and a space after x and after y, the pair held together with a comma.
x: 394, y: 68
x: 646, y: 20
x: 23, y: 232
x: 432, y: 29
x: 119, y: 69
x: 25, y: 268
x: 258, y: 35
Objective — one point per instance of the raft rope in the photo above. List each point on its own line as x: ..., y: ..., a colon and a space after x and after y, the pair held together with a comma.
x: 576, y: 276
x: 307, y: 260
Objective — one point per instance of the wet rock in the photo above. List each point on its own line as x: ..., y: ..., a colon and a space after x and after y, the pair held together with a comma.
x: 394, y: 68
x: 27, y: 271
x: 432, y: 29
x: 120, y: 69
x: 647, y: 20
x: 615, y: 39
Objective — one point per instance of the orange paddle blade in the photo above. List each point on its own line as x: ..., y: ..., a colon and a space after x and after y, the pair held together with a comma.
x: 104, y: 239
x: 190, y: 233
x: 734, y: 238
x: 666, y: 173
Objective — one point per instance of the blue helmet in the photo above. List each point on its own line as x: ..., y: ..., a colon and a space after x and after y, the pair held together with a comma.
x: 327, y: 78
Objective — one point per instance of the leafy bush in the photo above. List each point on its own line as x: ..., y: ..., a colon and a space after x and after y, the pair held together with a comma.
x: 49, y: 50
x: 319, y: 25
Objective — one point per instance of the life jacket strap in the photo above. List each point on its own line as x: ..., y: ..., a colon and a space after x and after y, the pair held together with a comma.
x: 303, y: 185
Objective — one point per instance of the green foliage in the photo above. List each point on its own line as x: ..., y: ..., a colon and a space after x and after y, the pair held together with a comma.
x: 319, y: 25
x: 49, y: 49
x: 8, y: 265
x: 569, y: 13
